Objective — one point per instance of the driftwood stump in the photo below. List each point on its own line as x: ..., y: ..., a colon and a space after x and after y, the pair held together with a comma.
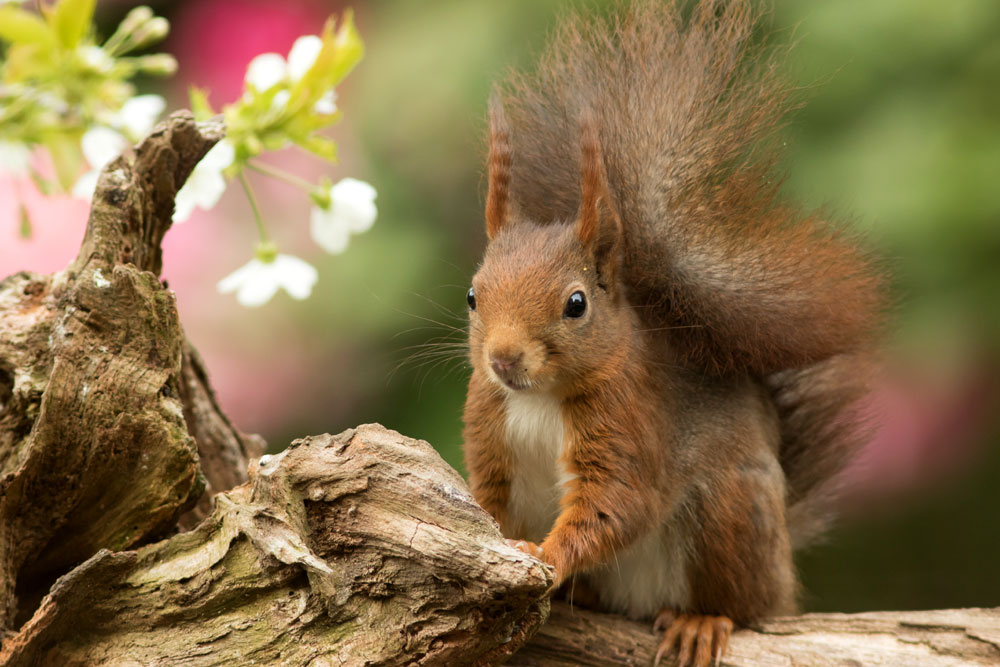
x: 360, y: 548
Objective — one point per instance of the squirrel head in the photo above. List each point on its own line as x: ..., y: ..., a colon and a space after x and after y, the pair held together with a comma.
x: 545, y: 309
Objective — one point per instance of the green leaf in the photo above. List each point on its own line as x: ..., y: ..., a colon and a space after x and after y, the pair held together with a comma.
x: 66, y: 156
x: 25, y: 229
x: 341, y: 51
x: 45, y: 186
x: 321, y: 146
x: 348, y: 51
x: 200, y: 106
x: 72, y: 20
x: 20, y: 27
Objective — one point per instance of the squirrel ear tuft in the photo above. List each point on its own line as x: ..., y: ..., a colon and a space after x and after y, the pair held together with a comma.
x: 599, y: 227
x: 498, y: 196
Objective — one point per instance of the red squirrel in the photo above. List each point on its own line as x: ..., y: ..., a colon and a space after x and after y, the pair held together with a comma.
x: 667, y: 358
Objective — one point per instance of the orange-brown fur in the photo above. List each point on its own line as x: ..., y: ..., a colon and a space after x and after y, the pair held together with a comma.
x: 707, y: 394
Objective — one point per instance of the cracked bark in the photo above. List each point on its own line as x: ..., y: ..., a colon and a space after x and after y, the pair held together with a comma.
x: 361, y: 548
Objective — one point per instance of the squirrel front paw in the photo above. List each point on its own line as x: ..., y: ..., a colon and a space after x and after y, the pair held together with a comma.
x: 530, y: 548
x: 536, y: 551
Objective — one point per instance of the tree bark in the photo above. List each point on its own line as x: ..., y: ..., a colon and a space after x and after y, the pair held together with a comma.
x: 357, y: 549
x: 101, y: 398
x: 361, y: 548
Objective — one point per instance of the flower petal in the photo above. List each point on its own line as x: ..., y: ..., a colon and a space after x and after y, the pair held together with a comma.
x: 303, y: 55
x: 265, y: 71
x: 86, y: 185
x: 295, y: 275
x: 233, y: 281
x: 219, y: 157
x: 205, y: 185
x: 280, y: 99
x: 138, y: 115
x: 354, y: 201
x: 96, y: 58
x: 329, y: 230
x: 326, y: 105
x: 203, y: 190
x: 15, y: 157
x: 101, y: 145
x: 255, y: 293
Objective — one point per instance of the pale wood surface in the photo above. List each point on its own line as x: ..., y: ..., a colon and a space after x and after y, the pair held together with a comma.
x: 940, y: 638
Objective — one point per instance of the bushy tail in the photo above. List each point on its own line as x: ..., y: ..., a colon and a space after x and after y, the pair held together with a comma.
x: 686, y: 109
x: 824, y: 423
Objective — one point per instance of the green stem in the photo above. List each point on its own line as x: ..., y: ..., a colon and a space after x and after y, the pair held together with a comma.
x: 282, y: 175
x: 253, y: 206
x: 118, y: 44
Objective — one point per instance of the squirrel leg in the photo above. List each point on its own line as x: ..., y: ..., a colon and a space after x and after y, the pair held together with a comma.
x: 486, y: 456
x: 699, y: 638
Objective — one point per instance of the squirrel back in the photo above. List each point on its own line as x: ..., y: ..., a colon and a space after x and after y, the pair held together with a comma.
x: 740, y: 282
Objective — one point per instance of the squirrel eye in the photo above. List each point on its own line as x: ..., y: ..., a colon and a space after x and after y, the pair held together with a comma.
x: 576, y: 305
x: 471, y: 299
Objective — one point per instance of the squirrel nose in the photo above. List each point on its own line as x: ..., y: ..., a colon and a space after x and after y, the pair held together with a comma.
x: 502, y: 364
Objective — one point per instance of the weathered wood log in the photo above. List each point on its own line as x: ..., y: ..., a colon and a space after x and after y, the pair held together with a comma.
x: 108, y: 429
x: 363, y: 548
x: 941, y: 638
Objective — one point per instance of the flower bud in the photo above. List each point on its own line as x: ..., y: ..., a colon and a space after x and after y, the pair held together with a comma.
x: 134, y: 19
x: 153, y: 31
x: 120, y: 41
x: 159, y: 64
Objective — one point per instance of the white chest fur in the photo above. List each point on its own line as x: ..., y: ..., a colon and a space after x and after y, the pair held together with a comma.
x: 535, y: 436
x: 645, y: 576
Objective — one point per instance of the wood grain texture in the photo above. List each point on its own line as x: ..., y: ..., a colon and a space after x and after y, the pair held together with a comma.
x: 941, y: 638
x: 108, y: 428
x: 357, y: 549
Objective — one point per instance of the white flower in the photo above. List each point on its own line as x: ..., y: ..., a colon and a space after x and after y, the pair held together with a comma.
x: 256, y: 281
x: 206, y: 183
x: 327, y: 104
x: 269, y: 69
x: 351, y: 210
x: 266, y: 71
x: 280, y: 99
x: 15, y: 157
x: 100, y: 146
x: 96, y: 58
x: 303, y: 55
x: 138, y: 115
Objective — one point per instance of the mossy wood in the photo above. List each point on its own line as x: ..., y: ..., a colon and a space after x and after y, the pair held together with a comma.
x: 360, y: 548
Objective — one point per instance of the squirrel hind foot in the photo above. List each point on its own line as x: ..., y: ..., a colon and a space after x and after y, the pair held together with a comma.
x: 700, y: 639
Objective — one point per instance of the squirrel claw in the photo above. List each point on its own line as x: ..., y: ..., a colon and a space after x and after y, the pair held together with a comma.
x: 527, y: 547
x: 536, y: 551
x: 695, y: 636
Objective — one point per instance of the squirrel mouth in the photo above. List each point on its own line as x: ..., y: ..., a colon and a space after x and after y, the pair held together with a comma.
x: 511, y: 382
